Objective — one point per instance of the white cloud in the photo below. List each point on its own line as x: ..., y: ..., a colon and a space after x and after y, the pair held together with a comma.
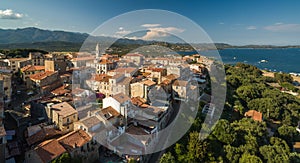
x: 153, y: 31
x: 280, y: 27
x: 150, y: 25
x: 221, y: 23
x: 160, y: 32
x: 133, y: 38
x: 10, y: 14
x: 251, y: 28
x: 123, y: 32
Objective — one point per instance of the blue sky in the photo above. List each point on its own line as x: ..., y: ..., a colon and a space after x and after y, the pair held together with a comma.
x: 235, y: 22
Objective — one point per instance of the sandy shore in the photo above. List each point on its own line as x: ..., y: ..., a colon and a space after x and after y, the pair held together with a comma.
x: 271, y: 74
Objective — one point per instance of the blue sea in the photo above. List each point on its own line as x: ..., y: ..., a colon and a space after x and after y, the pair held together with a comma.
x: 283, y: 59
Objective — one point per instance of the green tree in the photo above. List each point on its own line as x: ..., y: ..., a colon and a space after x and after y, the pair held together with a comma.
x: 179, y: 150
x: 248, y: 92
x: 294, y: 157
x: 196, y: 148
x: 268, y: 106
x: 282, y: 77
x: 247, y: 158
x: 167, y: 158
x: 224, y: 132
x: 64, y: 158
x: 232, y: 153
x: 287, y: 133
x: 277, y: 151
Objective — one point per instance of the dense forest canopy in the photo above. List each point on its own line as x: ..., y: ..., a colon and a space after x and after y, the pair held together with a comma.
x: 236, y: 138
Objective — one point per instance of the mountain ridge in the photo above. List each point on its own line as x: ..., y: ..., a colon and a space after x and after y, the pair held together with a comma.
x: 32, y: 37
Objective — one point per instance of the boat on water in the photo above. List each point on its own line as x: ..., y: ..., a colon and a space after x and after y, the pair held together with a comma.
x: 263, y: 61
x: 234, y: 58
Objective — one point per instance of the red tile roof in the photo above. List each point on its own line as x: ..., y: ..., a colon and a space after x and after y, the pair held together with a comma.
x: 255, y: 115
x: 110, y: 111
x: 134, y: 54
x: 101, y: 77
x: 105, y: 61
x: 138, y: 101
x: 64, y: 109
x: 42, y: 75
x: 121, y: 98
x: 60, y: 91
x: 32, y: 68
x: 74, y: 139
x: 155, y: 69
x: 49, y: 150
x: 86, y: 58
x: 148, y: 82
x: 43, y: 134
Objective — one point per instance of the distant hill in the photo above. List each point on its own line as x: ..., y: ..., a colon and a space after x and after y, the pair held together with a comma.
x: 48, y: 40
x: 52, y: 40
x: 31, y: 35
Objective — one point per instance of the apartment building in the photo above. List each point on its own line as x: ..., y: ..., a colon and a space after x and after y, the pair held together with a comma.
x: 63, y: 115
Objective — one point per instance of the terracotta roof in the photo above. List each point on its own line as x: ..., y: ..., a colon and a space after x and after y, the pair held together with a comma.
x: 74, y: 139
x: 296, y: 146
x: 255, y: 115
x: 121, y: 98
x: 145, y: 74
x: 155, y: 69
x: 148, y: 82
x: 49, y: 150
x: 110, y: 112
x: 17, y: 59
x: 134, y: 54
x: 45, y: 133
x: 32, y: 68
x: 117, y: 76
x: 101, y: 77
x: 66, y: 74
x: 181, y: 83
x: 159, y: 59
x: 171, y: 76
x: 138, y: 101
x: 83, y: 58
x: 60, y: 91
x: 105, y: 61
x: 125, y: 69
x: 42, y: 75
x: 90, y: 121
x: 64, y: 109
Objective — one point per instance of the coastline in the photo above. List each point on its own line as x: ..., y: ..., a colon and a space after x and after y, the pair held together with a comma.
x: 271, y: 74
